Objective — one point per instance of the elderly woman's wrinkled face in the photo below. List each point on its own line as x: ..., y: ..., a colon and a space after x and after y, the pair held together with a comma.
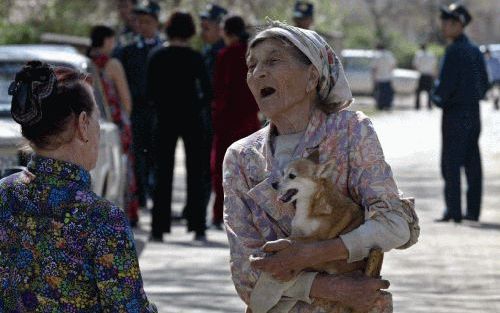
x: 279, y: 81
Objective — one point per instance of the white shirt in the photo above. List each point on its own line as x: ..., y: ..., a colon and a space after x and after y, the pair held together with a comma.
x: 383, y: 64
x: 425, y: 62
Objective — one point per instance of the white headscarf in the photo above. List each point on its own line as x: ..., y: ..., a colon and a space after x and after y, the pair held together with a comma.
x: 333, y: 88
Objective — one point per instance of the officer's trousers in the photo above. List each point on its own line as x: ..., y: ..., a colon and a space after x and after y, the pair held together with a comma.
x: 143, y: 120
x: 461, y: 150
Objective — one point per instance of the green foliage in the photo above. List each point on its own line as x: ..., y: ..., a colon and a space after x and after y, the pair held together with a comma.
x: 23, y: 33
x: 357, y: 37
x: 403, y: 49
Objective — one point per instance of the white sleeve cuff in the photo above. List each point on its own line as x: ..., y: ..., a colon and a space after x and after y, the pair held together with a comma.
x: 386, y: 233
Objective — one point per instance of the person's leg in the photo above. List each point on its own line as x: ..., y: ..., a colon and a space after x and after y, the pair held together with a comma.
x: 195, y: 208
x: 207, y: 147
x: 474, y: 173
x: 138, y: 148
x: 218, y: 151
x: 418, y: 92
x: 164, y: 169
x: 452, y: 158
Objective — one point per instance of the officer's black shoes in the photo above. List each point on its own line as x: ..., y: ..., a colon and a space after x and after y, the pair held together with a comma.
x: 470, y: 218
x: 155, y: 238
x: 446, y: 219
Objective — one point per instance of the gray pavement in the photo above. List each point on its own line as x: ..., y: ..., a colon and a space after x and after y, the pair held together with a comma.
x: 452, y: 269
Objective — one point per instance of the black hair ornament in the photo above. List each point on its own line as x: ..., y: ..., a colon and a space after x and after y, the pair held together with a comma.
x: 34, y: 83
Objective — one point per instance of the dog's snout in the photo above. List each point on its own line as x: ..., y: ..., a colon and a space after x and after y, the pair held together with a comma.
x: 275, y: 185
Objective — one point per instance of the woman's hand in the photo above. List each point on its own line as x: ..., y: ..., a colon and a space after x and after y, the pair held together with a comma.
x: 290, y: 257
x: 353, y: 290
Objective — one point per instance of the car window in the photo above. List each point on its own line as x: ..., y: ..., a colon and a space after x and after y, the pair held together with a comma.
x: 8, y: 71
x: 357, y: 64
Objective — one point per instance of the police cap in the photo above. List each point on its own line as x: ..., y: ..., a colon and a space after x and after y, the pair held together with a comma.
x: 213, y: 12
x: 303, y: 9
x: 457, y: 12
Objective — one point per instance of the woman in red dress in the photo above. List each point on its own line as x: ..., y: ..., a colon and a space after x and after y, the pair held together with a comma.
x: 234, y: 110
x: 117, y: 93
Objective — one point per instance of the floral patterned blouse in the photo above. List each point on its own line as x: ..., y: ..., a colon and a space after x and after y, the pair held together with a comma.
x: 63, y: 248
x: 252, y: 214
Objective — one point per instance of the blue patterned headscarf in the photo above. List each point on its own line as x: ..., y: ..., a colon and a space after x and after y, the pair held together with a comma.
x: 333, y: 88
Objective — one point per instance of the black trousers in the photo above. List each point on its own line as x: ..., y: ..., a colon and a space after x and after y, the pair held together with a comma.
x: 166, y: 135
x: 461, y: 150
x: 424, y: 84
x: 384, y: 95
x: 143, y: 120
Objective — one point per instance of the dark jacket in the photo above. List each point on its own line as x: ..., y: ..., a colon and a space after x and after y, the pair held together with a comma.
x: 134, y: 58
x: 463, y: 79
x: 210, y: 56
x: 177, y: 81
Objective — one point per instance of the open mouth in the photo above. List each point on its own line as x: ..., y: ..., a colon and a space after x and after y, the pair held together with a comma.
x: 267, y: 91
x: 288, y: 195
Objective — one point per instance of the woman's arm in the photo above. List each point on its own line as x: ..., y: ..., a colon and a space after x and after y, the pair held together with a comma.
x: 116, y: 268
x: 115, y: 70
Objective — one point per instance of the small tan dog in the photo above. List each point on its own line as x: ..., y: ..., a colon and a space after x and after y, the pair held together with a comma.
x: 323, y: 212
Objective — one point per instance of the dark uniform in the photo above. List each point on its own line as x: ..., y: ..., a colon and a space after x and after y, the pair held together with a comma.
x: 463, y: 81
x: 213, y: 13
x: 134, y: 58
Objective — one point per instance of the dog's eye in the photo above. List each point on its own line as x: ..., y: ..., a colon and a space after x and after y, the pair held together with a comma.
x: 291, y: 176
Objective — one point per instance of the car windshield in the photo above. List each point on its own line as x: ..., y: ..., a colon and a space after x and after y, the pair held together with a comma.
x: 8, y: 71
x: 357, y: 64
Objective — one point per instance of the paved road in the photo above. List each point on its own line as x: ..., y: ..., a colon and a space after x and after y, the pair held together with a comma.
x: 453, y: 268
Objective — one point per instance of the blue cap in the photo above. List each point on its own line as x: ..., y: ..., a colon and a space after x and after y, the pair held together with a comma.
x: 457, y: 12
x: 213, y: 12
x: 303, y: 9
x: 148, y: 7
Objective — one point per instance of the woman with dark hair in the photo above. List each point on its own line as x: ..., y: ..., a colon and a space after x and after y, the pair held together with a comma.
x: 177, y: 81
x: 117, y: 93
x: 234, y: 110
x: 63, y: 248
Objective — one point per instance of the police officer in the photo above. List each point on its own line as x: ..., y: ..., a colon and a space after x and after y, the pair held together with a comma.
x: 303, y: 14
x: 211, y: 32
x: 134, y: 58
x: 462, y: 82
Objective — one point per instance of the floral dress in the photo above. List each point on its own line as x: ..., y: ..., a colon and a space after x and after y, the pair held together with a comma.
x: 62, y: 247
x: 122, y: 121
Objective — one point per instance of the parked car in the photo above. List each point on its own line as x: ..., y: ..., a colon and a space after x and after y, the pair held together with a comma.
x: 357, y: 67
x: 108, y: 178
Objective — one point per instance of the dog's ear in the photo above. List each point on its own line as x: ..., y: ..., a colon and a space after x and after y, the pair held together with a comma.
x: 314, y: 156
x: 326, y: 169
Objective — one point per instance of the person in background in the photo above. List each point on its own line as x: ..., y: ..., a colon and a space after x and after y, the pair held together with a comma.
x: 134, y: 58
x: 234, y: 110
x: 179, y: 88
x: 462, y: 83
x: 63, y: 248
x: 211, y: 34
x: 303, y: 14
x: 425, y: 62
x: 117, y: 93
x: 493, y: 68
x: 382, y: 66
x: 128, y: 27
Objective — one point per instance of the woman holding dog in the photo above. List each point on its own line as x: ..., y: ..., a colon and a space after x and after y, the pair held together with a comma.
x: 299, y: 84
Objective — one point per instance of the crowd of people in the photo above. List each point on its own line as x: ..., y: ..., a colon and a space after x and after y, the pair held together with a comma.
x: 160, y: 89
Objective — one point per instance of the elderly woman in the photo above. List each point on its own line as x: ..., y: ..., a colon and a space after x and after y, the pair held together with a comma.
x: 299, y: 84
x: 62, y: 247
